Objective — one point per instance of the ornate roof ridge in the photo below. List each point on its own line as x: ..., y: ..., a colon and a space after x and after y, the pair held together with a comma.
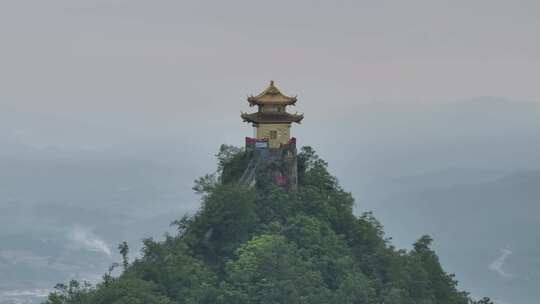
x: 271, y: 95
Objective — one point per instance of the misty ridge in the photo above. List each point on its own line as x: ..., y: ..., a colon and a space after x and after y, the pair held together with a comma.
x: 72, y: 188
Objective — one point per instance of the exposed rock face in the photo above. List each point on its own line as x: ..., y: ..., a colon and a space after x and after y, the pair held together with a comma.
x: 281, y: 163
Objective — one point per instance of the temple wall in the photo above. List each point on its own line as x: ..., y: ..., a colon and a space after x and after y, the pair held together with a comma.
x: 283, y: 133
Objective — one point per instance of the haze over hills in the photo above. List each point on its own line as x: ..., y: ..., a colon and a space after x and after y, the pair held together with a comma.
x: 109, y: 109
x: 70, y: 189
x: 475, y: 223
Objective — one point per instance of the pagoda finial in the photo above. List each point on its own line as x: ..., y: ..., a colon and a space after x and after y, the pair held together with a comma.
x: 271, y: 95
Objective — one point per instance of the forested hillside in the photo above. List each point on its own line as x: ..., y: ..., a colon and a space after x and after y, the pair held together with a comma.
x: 265, y: 245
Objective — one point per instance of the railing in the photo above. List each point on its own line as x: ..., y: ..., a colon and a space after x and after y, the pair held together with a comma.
x: 264, y: 142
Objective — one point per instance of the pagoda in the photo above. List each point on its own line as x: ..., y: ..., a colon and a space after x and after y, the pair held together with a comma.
x: 272, y: 148
x: 272, y: 121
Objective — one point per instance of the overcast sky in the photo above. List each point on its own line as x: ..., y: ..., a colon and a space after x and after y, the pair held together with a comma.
x: 389, y: 89
x: 178, y: 59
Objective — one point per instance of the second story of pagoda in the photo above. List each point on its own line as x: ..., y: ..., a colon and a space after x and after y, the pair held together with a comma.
x: 272, y: 121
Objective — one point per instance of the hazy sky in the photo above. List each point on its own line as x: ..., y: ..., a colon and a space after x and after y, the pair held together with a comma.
x: 126, y: 101
x: 178, y: 59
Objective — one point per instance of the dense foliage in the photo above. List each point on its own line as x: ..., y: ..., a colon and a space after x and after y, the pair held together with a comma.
x: 263, y: 245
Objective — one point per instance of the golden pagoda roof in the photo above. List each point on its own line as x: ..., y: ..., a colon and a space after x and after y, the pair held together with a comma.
x: 261, y: 117
x: 271, y: 96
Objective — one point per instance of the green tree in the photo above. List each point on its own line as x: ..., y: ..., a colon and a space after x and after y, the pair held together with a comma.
x: 128, y: 290
x: 172, y: 266
x: 123, y: 248
x: 436, y: 281
x: 226, y: 219
x: 264, y: 245
x: 72, y: 293
x: 270, y: 270
x: 232, y: 162
x: 484, y: 300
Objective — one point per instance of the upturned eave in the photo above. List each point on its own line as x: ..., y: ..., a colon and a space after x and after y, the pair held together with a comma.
x: 285, y: 118
x: 271, y: 96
